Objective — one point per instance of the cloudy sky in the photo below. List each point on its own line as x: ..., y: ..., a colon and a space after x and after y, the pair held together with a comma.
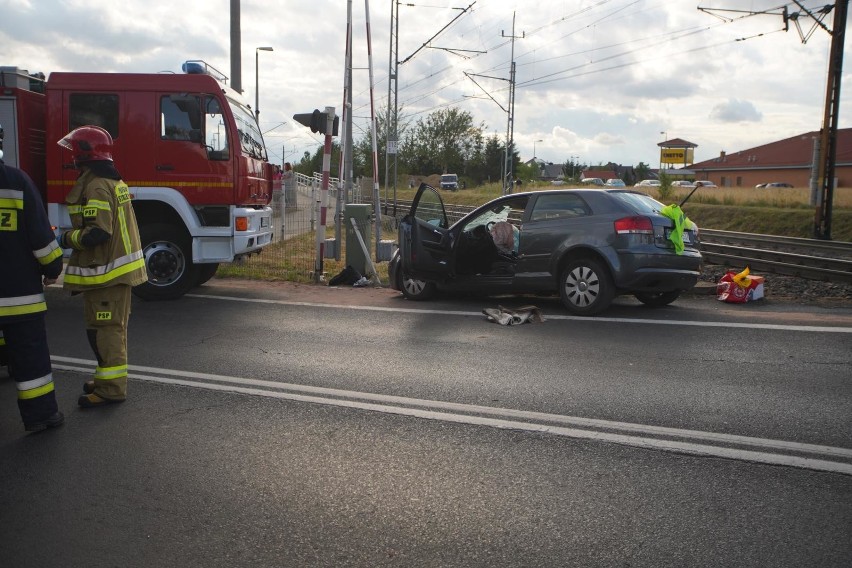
x: 605, y: 80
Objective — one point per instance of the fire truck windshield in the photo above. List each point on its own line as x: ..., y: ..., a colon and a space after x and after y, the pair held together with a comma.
x: 251, y: 140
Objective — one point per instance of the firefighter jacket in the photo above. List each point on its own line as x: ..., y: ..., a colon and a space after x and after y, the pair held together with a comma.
x: 100, y: 207
x: 28, y: 248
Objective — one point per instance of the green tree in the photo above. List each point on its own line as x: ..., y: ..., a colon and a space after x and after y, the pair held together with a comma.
x: 443, y: 142
x: 643, y: 171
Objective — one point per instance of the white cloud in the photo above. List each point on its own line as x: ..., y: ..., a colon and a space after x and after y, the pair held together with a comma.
x: 735, y: 110
x: 619, y: 72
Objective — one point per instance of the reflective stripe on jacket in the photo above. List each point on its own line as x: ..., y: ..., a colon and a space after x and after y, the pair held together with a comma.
x: 100, y: 203
x: 28, y: 248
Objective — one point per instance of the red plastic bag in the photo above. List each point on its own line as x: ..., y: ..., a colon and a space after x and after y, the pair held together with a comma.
x: 739, y: 287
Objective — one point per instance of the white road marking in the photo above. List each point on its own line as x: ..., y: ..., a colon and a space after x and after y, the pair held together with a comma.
x: 693, y: 442
x: 598, y: 319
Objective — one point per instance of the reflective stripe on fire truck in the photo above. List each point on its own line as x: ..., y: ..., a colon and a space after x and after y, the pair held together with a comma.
x: 11, y: 199
x: 20, y: 305
x: 102, y: 274
x: 48, y: 254
x: 35, y: 387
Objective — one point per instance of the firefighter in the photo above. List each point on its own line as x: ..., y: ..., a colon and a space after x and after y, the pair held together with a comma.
x: 106, y: 259
x: 31, y: 259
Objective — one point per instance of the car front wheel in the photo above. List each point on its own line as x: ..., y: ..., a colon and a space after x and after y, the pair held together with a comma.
x: 657, y: 299
x: 415, y: 289
x: 586, y: 287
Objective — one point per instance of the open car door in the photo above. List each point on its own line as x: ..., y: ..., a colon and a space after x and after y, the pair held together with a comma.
x: 424, y: 238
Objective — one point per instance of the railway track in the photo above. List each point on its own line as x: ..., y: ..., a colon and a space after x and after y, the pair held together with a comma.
x: 805, y: 258
x: 812, y: 259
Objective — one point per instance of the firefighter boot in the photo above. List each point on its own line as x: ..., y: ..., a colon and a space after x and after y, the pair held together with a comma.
x: 53, y: 421
x: 94, y: 401
x: 89, y: 387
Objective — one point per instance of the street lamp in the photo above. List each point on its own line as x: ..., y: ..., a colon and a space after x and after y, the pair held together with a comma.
x: 573, y: 166
x: 257, y: 51
x: 665, y: 137
x: 534, y: 143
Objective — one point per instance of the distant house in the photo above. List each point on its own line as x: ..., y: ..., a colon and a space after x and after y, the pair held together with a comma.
x: 785, y: 161
x: 551, y: 172
x: 547, y: 171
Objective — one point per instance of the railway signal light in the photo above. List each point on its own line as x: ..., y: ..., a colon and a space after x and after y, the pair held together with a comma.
x: 317, y: 121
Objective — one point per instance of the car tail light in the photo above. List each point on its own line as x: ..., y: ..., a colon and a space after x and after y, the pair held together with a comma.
x: 634, y: 226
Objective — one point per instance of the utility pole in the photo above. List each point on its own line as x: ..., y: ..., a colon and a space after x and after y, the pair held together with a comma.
x: 391, y: 133
x: 236, y: 52
x: 508, y: 174
x: 828, y: 134
x: 828, y: 143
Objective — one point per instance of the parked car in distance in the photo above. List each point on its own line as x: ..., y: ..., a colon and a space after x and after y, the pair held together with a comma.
x: 592, y: 181
x: 682, y: 183
x: 615, y: 182
x: 760, y: 186
x: 586, y: 245
x: 778, y: 184
x: 450, y: 181
x: 648, y: 183
x: 704, y: 183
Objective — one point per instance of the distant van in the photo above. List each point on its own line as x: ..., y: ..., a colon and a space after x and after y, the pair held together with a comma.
x: 450, y: 181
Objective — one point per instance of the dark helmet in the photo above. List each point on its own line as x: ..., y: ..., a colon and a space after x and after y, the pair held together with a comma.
x: 88, y: 143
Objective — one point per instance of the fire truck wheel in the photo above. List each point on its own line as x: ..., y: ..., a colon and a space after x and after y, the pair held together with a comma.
x: 206, y: 272
x: 168, y: 260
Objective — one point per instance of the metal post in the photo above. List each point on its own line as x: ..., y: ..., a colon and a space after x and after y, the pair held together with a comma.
x: 257, y: 51
x: 323, y: 200
x: 377, y: 213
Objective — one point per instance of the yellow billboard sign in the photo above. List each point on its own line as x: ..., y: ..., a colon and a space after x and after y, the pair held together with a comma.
x: 677, y: 155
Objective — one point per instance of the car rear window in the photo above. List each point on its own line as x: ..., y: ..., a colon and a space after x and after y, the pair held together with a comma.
x: 638, y: 202
x: 558, y: 206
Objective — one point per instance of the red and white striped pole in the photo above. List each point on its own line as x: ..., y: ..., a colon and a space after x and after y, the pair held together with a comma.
x: 376, y: 210
x: 323, y: 194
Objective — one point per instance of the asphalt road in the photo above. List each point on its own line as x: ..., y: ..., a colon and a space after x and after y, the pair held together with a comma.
x: 285, y: 425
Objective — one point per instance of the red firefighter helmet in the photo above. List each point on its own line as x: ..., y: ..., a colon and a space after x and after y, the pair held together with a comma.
x: 88, y: 143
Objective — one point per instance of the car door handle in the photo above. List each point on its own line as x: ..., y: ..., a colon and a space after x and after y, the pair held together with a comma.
x: 165, y: 167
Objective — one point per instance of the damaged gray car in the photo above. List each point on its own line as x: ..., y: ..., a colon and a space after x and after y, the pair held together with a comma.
x: 586, y: 245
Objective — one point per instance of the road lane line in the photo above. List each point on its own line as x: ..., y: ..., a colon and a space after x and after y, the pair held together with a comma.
x: 594, y: 429
x: 597, y: 319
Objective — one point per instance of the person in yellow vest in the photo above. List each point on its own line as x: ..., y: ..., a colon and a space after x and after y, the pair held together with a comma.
x: 106, y: 259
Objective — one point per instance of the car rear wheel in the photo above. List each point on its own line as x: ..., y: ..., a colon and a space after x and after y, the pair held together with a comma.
x: 657, y: 299
x: 586, y: 287
x: 415, y: 289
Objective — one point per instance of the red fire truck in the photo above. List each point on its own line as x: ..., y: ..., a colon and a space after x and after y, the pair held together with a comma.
x: 186, y: 144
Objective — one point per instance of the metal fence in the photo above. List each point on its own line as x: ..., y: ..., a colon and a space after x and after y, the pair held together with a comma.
x: 296, y: 219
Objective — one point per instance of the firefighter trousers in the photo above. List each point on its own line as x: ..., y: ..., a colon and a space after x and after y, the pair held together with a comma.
x: 107, y: 313
x: 29, y: 365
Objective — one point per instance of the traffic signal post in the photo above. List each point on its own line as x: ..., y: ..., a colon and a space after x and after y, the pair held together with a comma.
x: 326, y: 123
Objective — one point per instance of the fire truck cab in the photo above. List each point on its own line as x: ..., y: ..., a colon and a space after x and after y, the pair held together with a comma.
x: 186, y: 145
